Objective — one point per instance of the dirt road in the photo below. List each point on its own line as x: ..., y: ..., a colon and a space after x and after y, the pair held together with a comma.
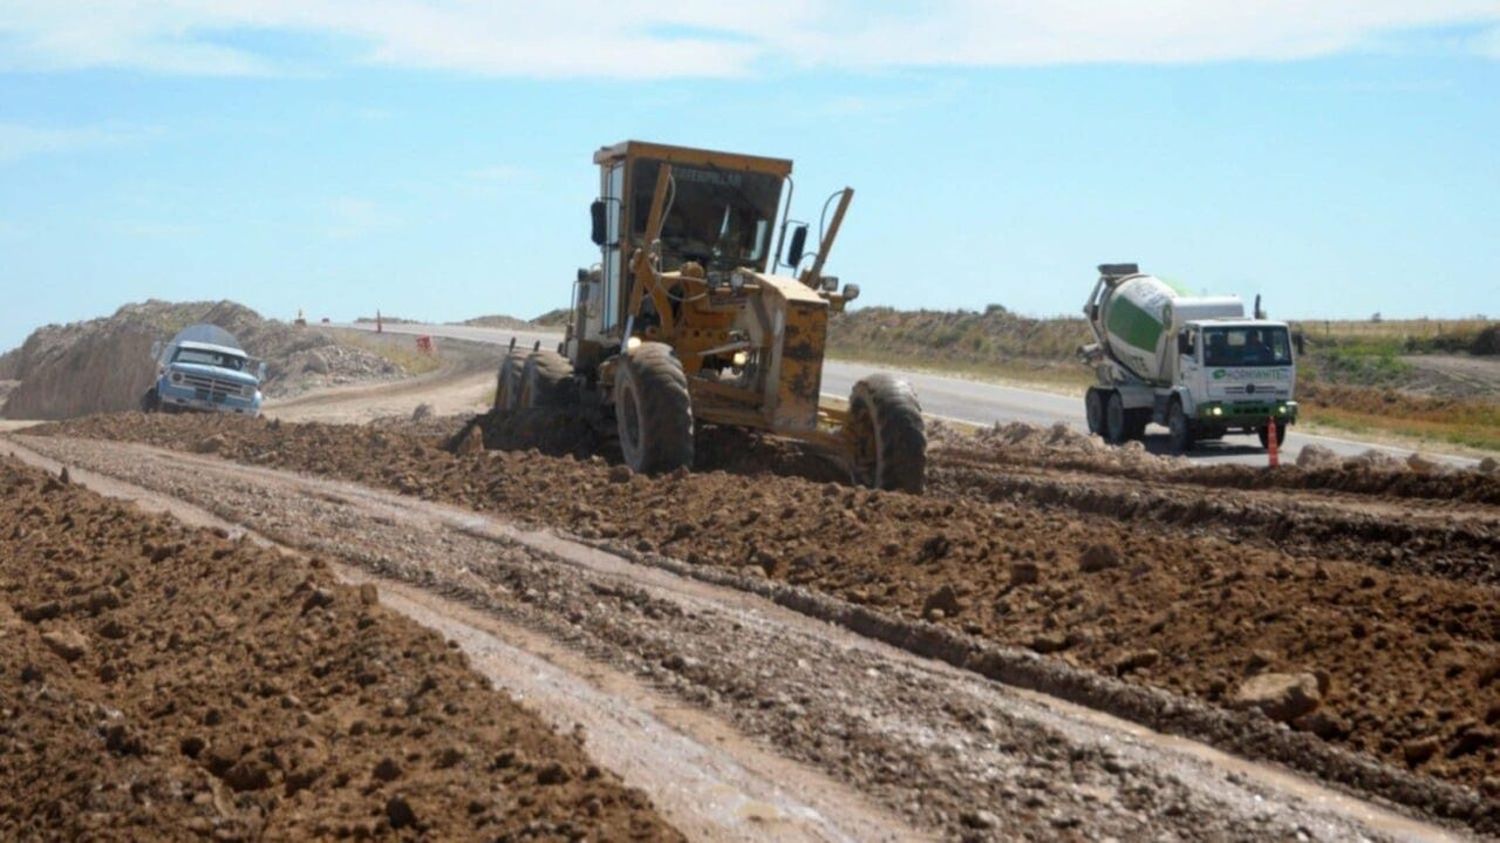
x: 718, y: 679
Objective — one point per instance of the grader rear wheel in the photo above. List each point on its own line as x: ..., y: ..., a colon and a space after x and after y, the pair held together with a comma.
x: 546, y: 381
x: 653, y: 413
x: 887, y: 438
x: 508, y: 381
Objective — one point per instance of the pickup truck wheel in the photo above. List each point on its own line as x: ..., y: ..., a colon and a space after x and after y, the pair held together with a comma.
x: 1093, y: 410
x: 508, y: 381
x: 1115, y: 428
x: 653, y: 411
x: 150, y: 402
x: 1180, y: 429
x: 546, y: 381
x: 886, y: 436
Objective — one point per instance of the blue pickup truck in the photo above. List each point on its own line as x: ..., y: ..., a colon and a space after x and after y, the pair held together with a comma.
x: 203, y: 369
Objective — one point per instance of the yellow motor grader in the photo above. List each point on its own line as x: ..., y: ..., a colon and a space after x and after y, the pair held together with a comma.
x: 685, y: 320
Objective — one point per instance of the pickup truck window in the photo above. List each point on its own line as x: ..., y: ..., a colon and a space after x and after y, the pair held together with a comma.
x: 209, y: 358
x: 1246, y: 347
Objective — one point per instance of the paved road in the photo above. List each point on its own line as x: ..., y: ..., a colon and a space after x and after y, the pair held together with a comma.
x: 973, y: 401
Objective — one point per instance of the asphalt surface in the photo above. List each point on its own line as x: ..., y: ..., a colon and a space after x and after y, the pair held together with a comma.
x: 975, y: 402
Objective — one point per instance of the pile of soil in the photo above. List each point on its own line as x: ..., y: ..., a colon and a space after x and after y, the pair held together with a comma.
x: 160, y: 682
x: 105, y: 365
x: 1404, y: 665
x: 1060, y: 447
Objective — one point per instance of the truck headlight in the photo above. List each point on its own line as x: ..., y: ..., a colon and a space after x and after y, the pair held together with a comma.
x: 740, y: 359
x: 1216, y: 410
x: 176, y: 377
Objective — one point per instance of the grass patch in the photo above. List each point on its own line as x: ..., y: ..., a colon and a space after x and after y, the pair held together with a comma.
x: 1467, y: 422
x: 402, y: 352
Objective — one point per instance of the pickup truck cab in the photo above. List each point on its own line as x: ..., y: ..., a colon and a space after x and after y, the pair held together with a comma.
x: 203, y: 369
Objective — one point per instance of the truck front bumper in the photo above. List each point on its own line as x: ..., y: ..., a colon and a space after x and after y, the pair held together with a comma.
x: 178, y: 399
x: 1246, y: 413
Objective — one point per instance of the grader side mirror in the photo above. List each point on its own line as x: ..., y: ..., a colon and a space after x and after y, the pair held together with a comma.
x: 798, y: 247
x: 1184, y: 343
x: 600, y: 228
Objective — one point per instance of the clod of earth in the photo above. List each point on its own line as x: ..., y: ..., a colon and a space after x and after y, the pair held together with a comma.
x: 1280, y: 696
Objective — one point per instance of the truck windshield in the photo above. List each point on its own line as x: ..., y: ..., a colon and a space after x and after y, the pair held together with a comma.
x: 1247, y: 346
x: 718, y: 217
x: 203, y: 357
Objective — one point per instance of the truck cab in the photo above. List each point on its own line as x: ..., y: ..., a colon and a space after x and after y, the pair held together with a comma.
x: 1235, y: 374
x: 207, y: 374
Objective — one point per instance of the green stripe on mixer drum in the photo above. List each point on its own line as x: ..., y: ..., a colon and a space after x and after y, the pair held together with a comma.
x: 1133, y: 325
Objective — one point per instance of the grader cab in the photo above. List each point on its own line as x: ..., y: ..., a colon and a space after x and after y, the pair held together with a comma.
x: 686, y: 321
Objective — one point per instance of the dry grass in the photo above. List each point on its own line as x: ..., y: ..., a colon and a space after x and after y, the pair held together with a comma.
x: 400, y: 350
x: 1468, y: 422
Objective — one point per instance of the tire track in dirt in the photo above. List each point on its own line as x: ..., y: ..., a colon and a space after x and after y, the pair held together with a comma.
x: 1032, y: 768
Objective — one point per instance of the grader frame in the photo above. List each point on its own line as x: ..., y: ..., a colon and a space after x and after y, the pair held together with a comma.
x: 687, y: 283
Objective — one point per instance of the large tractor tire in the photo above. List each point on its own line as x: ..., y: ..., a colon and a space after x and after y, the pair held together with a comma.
x: 887, y: 438
x: 653, y: 412
x: 546, y: 381
x: 508, y: 381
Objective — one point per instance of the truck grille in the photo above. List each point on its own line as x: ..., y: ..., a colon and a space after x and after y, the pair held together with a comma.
x: 210, y: 388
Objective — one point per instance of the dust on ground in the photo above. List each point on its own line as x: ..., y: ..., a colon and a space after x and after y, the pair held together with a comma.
x: 1387, y: 660
x: 161, y: 682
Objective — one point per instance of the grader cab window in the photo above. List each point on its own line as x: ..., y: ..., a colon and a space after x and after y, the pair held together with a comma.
x: 717, y: 217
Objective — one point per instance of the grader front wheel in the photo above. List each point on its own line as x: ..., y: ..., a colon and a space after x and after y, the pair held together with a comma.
x: 546, y: 381
x: 887, y: 438
x: 653, y: 412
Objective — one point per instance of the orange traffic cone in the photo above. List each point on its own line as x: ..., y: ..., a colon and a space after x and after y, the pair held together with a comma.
x: 1272, y: 446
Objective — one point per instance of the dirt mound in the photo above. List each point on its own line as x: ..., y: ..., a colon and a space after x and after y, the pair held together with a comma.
x: 165, y: 683
x: 1406, y: 656
x: 104, y: 365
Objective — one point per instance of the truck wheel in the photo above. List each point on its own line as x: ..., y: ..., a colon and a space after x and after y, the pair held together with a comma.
x: 1180, y: 429
x: 886, y: 434
x: 508, y: 381
x: 653, y: 412
x: 546, y: 381
x: 1115, y: 429
x: 1263, y: 432
x: 1093, y: 411
x: 151, y: 401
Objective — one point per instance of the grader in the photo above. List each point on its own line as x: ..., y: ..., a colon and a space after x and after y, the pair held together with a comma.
x: 685, y: 321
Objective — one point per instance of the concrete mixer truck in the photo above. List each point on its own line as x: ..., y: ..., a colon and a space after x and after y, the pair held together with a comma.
x: 1195, y: 365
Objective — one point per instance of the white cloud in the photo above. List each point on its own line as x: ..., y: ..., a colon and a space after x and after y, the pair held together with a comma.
x: 669, y: 38
x: 19, y: 141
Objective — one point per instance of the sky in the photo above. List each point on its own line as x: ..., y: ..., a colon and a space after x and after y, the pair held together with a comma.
x: 434, y: 159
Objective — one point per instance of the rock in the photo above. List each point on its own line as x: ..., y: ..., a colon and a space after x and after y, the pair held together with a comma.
x: 64, y: 477
x: 980, y: 819
x: 1323, y: 724
x: 1024, y: 573
x: 67, y: 643
x: 369, y: 595
x: 1098, y: 557
x: 472, y: 443
x: 399, y: 812
x: 1050, y: 642
x: 211, y: 444
x: 620, y: 473
x: 1417, y: 751
x: 1279, y: 696
x: 423, y: 411
x: 1314, y: 456
x: 319, y: 598
x: 553, y: 773
x: 1136, y: 660
x: 1421, y: 464
x: 944, y: 600
x: 1489, y: 465
x: 387, y: 770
